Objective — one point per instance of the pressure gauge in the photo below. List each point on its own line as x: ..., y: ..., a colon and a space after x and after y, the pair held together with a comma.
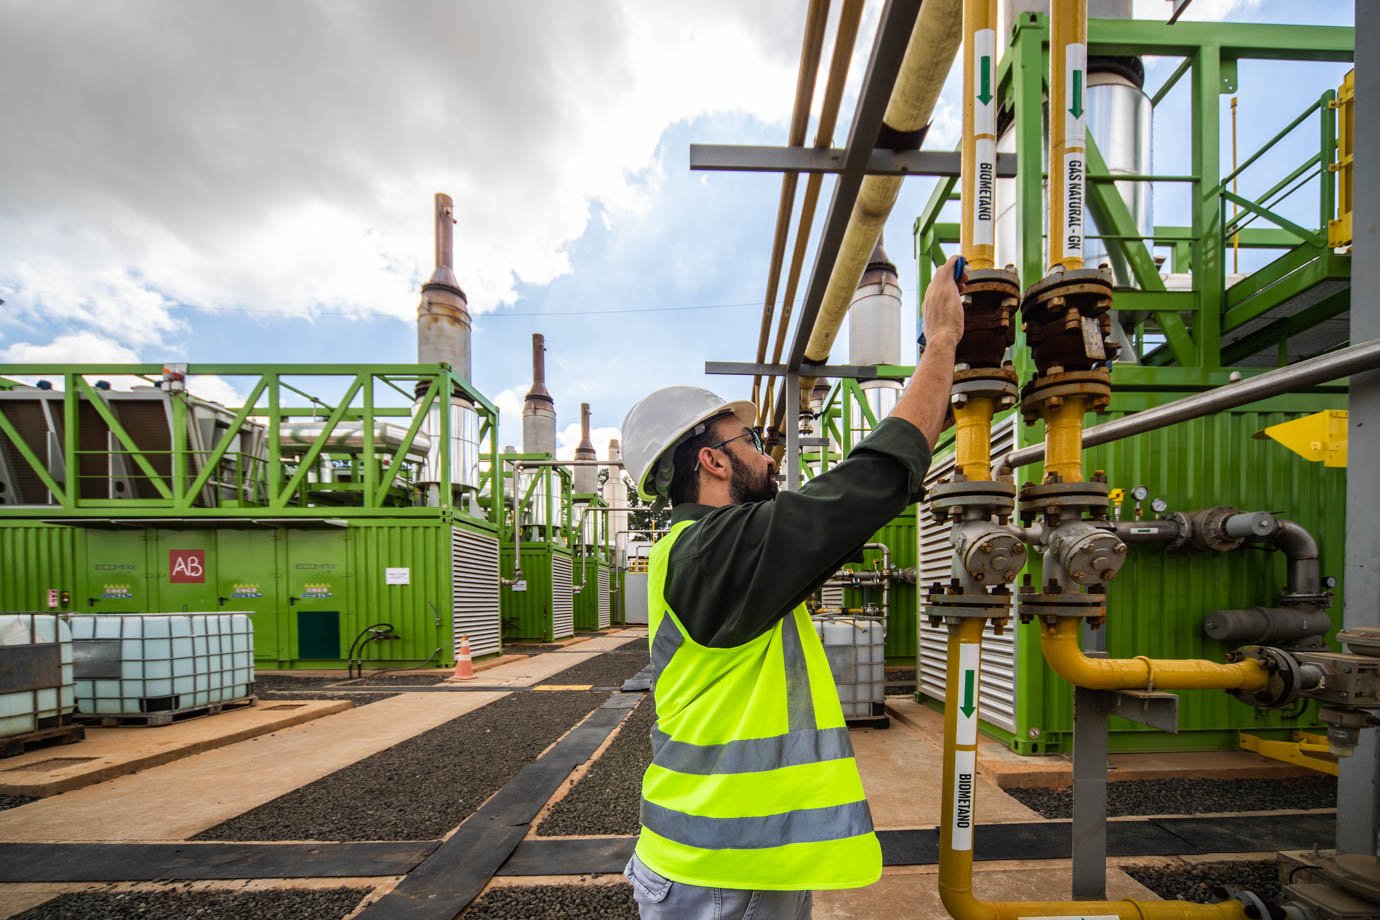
x: 1140, y: 493
x: 1159, y: 505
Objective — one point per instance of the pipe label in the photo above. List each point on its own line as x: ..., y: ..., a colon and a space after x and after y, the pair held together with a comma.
x: 1075, y: 89
x: 984, y: 82
x: 965, y: 777
x: 1074, y: 166
x: 984, y: 210
x: 969, y: 657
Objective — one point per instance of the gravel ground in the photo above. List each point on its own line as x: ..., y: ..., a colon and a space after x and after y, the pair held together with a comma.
x: 606, y: 799
x: 1197, y: 881
x: 608, y: 670
x: 359, y: 699
x: 283, y: 904
x: 423, y: 787
x: 400, y: 680
x: 1191, y: 796
x: 269, y: 682
x: 14, y: 801
x: 555, y: 902
x: 529, y: 648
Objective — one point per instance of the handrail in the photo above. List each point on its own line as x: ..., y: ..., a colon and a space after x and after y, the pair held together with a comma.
x: 1272, y: 141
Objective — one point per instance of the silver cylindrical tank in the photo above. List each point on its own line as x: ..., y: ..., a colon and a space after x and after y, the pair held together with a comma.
x: 615, y: 493
x: 443, y: 316
x: 463, y: 447
x: 1119, y: 121
x: 586, y: 477
x: 874, y: 318
x: 539, y: 409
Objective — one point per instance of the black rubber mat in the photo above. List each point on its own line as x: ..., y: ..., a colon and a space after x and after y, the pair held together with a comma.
x: 457, y: 871
x: 138, y: 862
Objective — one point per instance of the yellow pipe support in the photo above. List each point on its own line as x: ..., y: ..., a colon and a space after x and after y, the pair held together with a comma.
x: 973, y: 438
x: 1064, y: 438
x: 956, y: 829
x: 979, y: 191
x: 930, y: 54
x: 1068, y: 86
x: 1063, y: 651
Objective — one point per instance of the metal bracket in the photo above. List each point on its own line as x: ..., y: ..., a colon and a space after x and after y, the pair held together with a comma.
x: 1147, y: 707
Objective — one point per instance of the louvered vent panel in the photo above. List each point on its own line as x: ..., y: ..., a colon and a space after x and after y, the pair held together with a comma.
x: 604, y: 598
x: 562, y: 598
x: 998, y: 705
x: 474, y: 590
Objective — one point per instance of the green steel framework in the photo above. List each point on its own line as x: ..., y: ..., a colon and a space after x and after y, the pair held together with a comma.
x: 1181, y: 337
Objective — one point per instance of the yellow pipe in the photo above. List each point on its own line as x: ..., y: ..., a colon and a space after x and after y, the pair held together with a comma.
x: 1060, y: 642
x: 979, y: 191
x: 929, y: 56
x: 955, y: 832
x: 1068, y: 84
x: 973, y: 438
x: 1064, y: 438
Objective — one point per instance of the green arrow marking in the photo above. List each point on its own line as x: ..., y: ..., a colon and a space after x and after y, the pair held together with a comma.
x: 1076, y: 109
x: 969, y: 693
x: 985, y: 89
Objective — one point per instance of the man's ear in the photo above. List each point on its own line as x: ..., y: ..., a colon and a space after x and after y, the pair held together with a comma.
x: 712, y: 462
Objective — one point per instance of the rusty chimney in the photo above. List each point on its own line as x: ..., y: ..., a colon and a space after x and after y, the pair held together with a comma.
x: 443, y: 317
x: 539, y: 409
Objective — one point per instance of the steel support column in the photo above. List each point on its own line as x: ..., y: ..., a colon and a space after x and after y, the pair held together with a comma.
x: 1090, y: 794
x: 1359, y: 778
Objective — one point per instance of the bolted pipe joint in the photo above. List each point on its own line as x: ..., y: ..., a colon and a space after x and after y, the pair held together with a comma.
x: 991, y: 554
x: 1288, y: 626
x: 1091, y: 553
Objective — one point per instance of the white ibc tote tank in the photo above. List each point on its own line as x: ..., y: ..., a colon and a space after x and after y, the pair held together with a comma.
x: 22, y: 710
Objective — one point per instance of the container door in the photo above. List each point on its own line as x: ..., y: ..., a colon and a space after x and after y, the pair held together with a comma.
x: 184, y: 568
x: 117, y: 577
x: 316, y: 577
x: 247, y: 575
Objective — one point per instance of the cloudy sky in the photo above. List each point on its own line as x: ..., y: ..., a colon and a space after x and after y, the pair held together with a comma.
x: 252, y: 182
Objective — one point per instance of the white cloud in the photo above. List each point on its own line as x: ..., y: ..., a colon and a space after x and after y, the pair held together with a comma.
x: 568, y: 438
x: 282, y: 159
x: 72, y: 348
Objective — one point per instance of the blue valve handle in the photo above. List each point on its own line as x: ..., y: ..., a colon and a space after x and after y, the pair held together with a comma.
x: 960, y: 266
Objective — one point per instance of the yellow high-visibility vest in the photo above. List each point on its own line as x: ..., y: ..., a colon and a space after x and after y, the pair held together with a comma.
x: 753, y: 782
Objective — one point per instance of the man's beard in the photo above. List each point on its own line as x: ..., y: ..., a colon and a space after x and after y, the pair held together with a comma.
x: 743, y: 488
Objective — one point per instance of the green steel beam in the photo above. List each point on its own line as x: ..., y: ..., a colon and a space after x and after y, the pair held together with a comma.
x: 1304, y: 236
x: 1293, y: 273
x: 1252, y: 41
x: 1175, y: 302
x: 1173, y: 81
x: 213, y: 461
x: 308, y: 460
x: 1248, y: 238
x: 1281, y: 331
x: 32, y: 459
x: 1205, y: 147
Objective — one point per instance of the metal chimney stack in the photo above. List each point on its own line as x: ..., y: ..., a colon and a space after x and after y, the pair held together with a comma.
x: 615, y: 493
x: 539, y: 409
x: 443, y: 317
x: 586, y: 477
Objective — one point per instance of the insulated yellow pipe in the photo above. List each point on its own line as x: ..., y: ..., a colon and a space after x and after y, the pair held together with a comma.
x: 1068, y: 85
x: 973, y: 438
x: 979, y: 191
x: 956, y: 829
x: 930, y: 54
x: 1060, y: 642
x: 1064, y: 437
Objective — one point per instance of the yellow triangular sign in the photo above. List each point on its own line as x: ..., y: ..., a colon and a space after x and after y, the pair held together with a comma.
x: 1317, y: 437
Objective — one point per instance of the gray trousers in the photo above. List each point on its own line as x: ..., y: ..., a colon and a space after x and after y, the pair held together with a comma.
x: 660, y: 898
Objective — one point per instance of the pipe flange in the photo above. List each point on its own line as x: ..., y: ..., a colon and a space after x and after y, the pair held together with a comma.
x: 953, y: 497
x: 1057, y: 497
x: 1086, y: 606
x: 1185, y: 529
x: 1065, y: 319
x: 990, y: 554
x: 1285, y: 681
x: 1207, y: 529
x: 1049, y: 390
x: 990, y: 299
x: 1091, y: 553
x: 995, y: 383
x: 1361, y: 640
x: 978, y: 606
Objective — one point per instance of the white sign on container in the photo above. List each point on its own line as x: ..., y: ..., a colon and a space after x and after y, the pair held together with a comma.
x: 392, y: 576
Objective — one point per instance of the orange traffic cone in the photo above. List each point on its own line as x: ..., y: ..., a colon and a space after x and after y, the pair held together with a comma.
x: 464, y: 667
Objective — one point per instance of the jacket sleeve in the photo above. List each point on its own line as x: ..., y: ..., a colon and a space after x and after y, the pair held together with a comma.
x: 743, y: 567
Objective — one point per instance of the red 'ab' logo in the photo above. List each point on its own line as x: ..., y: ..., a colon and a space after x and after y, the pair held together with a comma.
x: 187, y: 566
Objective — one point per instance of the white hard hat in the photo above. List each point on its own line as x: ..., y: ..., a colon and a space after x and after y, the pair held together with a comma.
x: 658, y: 423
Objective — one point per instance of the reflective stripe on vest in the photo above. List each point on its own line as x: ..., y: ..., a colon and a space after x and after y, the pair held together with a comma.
x: 746, y: 789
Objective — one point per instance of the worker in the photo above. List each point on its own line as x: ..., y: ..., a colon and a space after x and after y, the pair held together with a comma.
x: 753, y: 798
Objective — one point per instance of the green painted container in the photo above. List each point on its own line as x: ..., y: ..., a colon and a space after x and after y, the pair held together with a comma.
x: 540, y: 606
x: 310, y: 591
x: 903, y: 602
x: 592, y: 601
x: 1157, y: 603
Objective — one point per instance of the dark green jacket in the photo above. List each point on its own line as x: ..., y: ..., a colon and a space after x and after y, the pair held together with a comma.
x: 743, y: 567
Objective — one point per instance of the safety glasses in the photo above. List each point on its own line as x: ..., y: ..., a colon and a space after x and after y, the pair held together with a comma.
x: 750, y: 433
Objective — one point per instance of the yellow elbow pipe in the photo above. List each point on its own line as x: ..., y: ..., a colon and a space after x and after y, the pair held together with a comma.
x: 959, y: 815
x: 1060, y: 642
x: 973, y: 438
x: 1064, y: 438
